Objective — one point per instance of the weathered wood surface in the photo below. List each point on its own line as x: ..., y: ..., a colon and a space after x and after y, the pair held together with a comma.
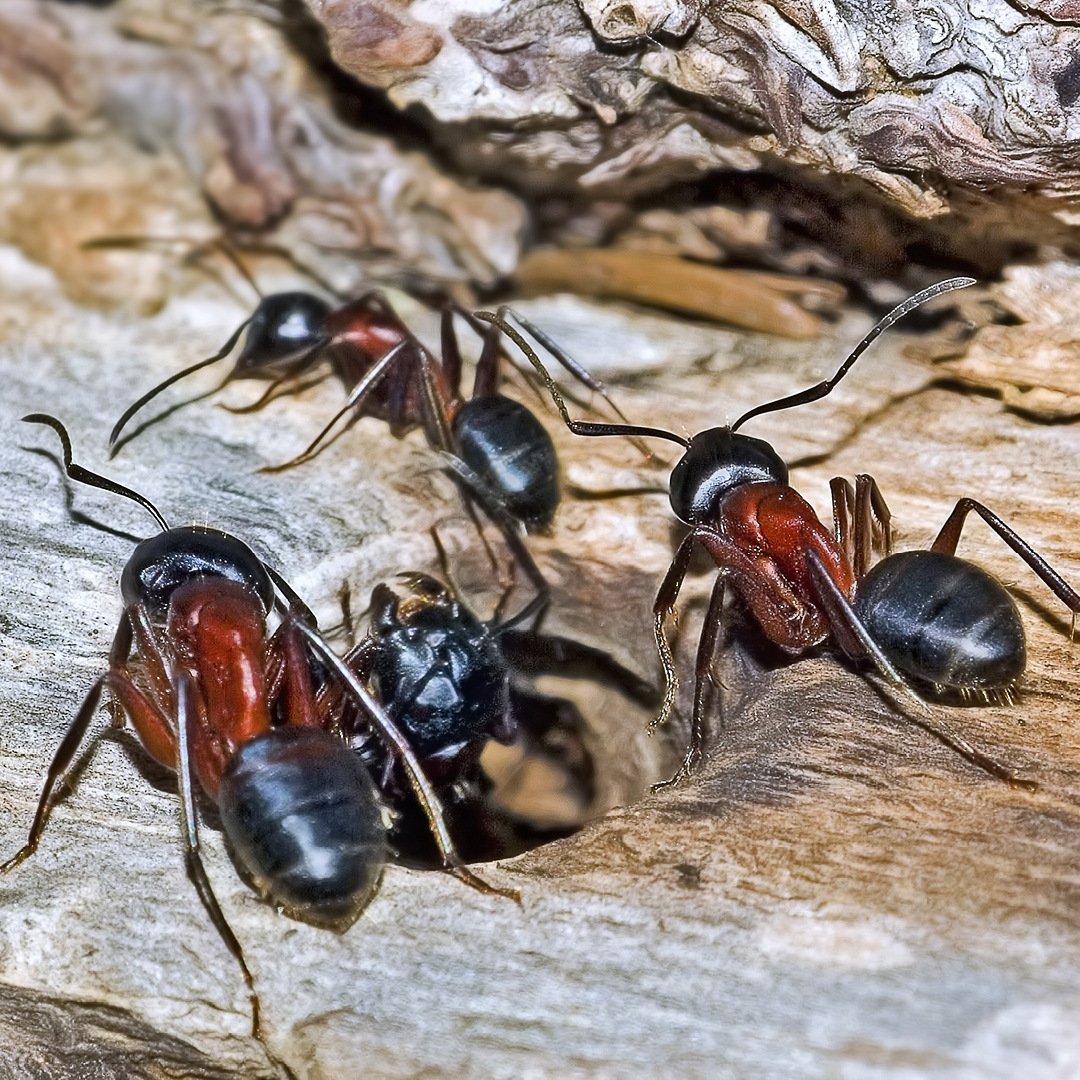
x: 834, y: 895
x: 621, y: 95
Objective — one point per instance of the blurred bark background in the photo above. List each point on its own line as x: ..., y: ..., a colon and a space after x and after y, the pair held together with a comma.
x: 834, y: 894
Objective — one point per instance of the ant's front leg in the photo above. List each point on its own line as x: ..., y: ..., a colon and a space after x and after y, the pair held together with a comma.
x: 703, y: 679
x: 949, y: 537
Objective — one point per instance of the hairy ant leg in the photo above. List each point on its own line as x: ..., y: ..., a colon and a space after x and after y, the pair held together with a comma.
x: 861, y: 521
x: 786, y: 619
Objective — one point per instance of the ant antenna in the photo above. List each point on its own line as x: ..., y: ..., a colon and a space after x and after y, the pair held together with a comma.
x: 135, y: 406
x: 578, y: 427
x: 85, y: 476
x: 824, y: 388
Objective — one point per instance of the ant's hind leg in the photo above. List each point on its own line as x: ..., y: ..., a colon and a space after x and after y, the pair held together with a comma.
x: 186, y: 716
x: 949, y: 537
x: 473, y: 487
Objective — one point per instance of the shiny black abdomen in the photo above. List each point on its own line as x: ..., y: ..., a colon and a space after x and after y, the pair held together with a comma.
x: 440, y: 676
x: 285, y: 326
x: 304, y: 817
x: 943, y: 620
x: 511, y: 451
x: 158, y: 566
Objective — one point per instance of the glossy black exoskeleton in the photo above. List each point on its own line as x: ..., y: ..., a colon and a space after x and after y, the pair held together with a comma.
x: 925, y: 620
x: 944, y: 621
x: 232, y: 708
x: 453, y: 684
x: 498, y: 453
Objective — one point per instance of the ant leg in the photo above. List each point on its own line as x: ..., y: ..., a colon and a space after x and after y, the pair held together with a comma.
x: 531, y: 654
x: 861, y: 521
x: 394, y: 739
x: 451, y: 354
x: 710, y: 632
x: 66, y: 752
x: 58, y: 770
x: 295, y: 606
x: 488, y: 501
x: 354, y: 401
x: 843, y: 507
x: 271, y: 392
x: 135, y: 406
x: 186, y: 714
x: 486, y: 379
x: 580, y: 373
x: 855, y: 640
x: 949, y: 537
x: 664, y: 606
x: 879, y: 514
x: 578, y: 427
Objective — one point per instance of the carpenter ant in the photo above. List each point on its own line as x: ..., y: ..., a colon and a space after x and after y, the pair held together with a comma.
x: 451, y: 682
x: 924, y: 619
x: 498, y: 453
x: 213, y: 695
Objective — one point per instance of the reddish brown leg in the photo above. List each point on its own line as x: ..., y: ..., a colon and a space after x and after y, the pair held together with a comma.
x: 843, y: 505
x: 66, y: 752
x: 949, y: 537
x: 451, y: 353
x: 297, y: 686
x: 486, y: 379
x: 878, y: 514
x: 861, y: 521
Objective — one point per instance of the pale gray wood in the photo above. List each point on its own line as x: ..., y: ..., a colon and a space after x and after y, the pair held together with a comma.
x: 836, y: 894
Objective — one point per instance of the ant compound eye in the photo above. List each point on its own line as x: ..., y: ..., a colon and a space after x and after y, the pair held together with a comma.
x: 717, y: 461
x: 160, y: 565
x: 284, y: 326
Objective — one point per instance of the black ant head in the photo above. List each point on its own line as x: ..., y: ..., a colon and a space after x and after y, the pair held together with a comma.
x: 163, y: 563
x: 716, y: 461
x: 438, y: 672
x: 285, y: 326
x: 160, y: 565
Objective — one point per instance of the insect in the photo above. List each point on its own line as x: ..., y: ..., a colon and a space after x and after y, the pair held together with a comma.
x: 498, y: 453
x: 215, y: 696
x: 926, y: 620
x: 451, y: 682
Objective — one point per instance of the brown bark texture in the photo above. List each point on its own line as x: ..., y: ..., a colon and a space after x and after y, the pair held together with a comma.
x: 833, y: 893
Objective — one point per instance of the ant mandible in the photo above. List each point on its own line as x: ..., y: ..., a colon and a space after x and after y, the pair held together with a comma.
x: 498, y: 453
x: 924, y: 619
x: 215, y: 697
